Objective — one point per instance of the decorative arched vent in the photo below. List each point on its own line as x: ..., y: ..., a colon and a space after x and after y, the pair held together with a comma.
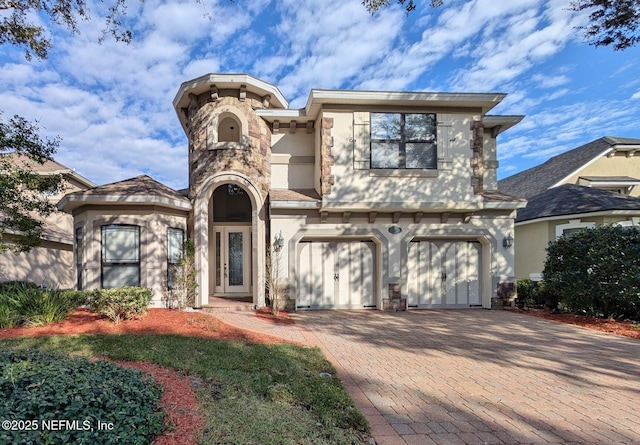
x: 229, y: 129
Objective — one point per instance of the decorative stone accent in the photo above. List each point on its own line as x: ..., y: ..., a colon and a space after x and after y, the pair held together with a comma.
x: 477, y: 162
x: 395, y: 302
x: 506, y: 294
x: 250, y: 157
x: 326, y: 158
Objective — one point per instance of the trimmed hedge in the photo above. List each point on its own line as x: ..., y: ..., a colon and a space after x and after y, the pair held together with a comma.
x: 597, y: 271
x: 121, y: 303
x: 53, y: 398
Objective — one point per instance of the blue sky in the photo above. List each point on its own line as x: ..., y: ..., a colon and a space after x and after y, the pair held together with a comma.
x: 111, y: 103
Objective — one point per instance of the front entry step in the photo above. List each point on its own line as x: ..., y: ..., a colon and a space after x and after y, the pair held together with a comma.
x: 229, y: 304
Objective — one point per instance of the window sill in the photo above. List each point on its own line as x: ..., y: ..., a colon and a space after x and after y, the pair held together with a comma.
x: 404, y: 173
x: 227, y: 145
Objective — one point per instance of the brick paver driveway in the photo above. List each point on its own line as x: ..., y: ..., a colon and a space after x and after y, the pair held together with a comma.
x: 477, y: 376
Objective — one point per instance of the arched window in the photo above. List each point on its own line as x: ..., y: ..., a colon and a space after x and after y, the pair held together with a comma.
x: 229, y: 129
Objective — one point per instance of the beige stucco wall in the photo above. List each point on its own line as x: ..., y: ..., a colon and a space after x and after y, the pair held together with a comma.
x: 618, y: 165
x: 153, y: 223
x: 292, y: 159
x: 50, y: 264
x: 497, y: 262
x: 400, y: 189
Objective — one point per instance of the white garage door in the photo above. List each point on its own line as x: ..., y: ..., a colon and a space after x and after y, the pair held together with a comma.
x: 336, y: 275
x: 443, y: 274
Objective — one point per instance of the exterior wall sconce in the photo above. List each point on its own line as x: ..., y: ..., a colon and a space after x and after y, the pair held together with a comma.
x: 278, y: 242
x: 507, y: 242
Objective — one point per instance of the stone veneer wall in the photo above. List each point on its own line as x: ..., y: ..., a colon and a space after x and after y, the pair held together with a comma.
x: 326, y: 158
x: 477, y: 158
x: 251, y: 156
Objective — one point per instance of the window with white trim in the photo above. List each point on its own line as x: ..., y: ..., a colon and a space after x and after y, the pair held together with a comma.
x: 175, y: 243
x: 403, y: 141
x: 120, y: 255
x: 573, y: 226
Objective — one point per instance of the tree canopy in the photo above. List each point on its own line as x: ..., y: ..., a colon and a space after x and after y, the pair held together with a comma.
x: 18, y: 27
x: 613, y: 23
x: 24, y: 192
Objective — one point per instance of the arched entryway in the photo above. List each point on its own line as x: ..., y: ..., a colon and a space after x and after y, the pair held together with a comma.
x: 229, y: 230
x: 230, y: 242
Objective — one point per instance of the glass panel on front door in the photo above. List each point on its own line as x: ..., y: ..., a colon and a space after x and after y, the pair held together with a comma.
x: 236, y: 259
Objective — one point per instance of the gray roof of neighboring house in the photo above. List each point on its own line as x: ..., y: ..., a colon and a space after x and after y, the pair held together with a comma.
x: 570, y: 199
x: 536, y: 180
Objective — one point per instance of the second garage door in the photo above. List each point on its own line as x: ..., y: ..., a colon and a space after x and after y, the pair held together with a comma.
x: 336, y: 274
x: 443, y: 274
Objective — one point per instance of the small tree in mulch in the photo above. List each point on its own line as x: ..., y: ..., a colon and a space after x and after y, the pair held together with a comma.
x: 273, y: 279
x: 180, y: 289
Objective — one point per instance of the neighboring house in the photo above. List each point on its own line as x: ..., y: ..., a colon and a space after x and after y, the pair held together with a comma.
x: 597, y: 183
x: 374, y: 199
x: 51, y: 263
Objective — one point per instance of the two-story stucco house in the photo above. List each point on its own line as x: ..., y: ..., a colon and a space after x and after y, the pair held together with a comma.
x: 374, y: 199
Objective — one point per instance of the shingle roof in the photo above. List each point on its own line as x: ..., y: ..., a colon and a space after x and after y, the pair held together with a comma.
x: 570, y: 199
x: 48, y: 166
x: 294, y: 195
x: 142, y: 185
x: 536, y: 180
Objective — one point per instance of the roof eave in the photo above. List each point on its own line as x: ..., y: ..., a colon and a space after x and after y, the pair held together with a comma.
x: 72, y: 201
x: 481, y: 101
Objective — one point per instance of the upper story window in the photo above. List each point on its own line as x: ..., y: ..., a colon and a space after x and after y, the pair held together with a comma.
x: 403, y: 141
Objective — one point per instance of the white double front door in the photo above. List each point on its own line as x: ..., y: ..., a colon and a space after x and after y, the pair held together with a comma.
x: 232, y: 260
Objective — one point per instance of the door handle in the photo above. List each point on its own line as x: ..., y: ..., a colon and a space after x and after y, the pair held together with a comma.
x: 444, y: 276
x: 336, y: 277
x: 225, y: 270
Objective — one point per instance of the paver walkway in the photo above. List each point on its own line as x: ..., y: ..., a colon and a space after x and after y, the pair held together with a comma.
x: 480, y: 377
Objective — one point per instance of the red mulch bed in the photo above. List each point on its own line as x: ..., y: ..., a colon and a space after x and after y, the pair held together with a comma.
x: 624, y: 328
x: 281, y: 318
x: 178, y: 399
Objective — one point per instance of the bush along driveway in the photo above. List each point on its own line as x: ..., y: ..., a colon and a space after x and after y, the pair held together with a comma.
x: 476, y: 376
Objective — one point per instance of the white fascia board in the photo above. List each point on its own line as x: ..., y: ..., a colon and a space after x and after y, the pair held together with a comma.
x: 502, y: 122
x: 484, y: 101
x: 626, y: 147
x: 295, y: 204
x: 271, y: 115
x: 71, y: 202
x: 68, y: 172
x: 573, y: 173
x: 613, y: 183
x: 581, y: 216
x: 508, y: 205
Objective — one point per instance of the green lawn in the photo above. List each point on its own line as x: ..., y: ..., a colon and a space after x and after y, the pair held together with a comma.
x: 250, y: 393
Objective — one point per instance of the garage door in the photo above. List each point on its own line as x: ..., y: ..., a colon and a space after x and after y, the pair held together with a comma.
x: 443, y: 274
x: 336, y: 274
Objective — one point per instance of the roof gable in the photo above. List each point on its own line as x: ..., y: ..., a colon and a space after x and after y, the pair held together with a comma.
x: 536, y: 180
